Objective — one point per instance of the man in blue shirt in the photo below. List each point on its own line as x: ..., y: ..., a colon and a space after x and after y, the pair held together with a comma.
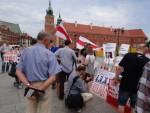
x: 37, y: 69
x: 67, y: 59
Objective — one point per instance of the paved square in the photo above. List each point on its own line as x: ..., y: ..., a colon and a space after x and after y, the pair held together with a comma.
x: 12, y: 100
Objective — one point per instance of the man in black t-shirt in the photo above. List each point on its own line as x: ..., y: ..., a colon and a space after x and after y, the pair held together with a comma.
x: 131, y: 68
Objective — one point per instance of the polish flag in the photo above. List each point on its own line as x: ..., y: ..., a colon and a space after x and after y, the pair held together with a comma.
x: 62, y: 33
x: 82, y: 41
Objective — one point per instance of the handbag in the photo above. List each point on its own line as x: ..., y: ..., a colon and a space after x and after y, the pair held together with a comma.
x: 74, y: 101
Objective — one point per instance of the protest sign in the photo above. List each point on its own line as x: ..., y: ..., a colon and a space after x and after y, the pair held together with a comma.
x: 11, y: 56
x: 109, y: 52
x: 100, y: 83
x: 112, y: 96
x: 124, y: 48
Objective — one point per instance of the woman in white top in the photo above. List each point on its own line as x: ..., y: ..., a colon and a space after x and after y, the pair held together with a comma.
x: 89, y: 62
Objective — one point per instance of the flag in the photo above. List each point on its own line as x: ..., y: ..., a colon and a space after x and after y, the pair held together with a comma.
x: 82, y: 41
x: 62, y: 33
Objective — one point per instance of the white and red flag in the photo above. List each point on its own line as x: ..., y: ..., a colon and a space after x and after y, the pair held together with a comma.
x: 82, y: 41
x: 62, y: 33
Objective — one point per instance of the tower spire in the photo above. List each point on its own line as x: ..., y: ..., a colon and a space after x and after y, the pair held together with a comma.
x: 49, y: 11
x: 59, y: 19
x: 50, y: 4
x: 59, y: 15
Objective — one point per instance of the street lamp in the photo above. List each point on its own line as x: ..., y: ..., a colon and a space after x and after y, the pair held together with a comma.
x: 118, y: 32
x: 75, y: 37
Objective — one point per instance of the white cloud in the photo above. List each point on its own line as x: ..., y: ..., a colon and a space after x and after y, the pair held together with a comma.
x: 30, y: 19
x: 30, y: 14
x: 102, y: 15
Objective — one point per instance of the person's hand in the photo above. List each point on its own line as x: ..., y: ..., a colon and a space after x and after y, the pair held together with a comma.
x: 88, y: 78
x: 32, y: 98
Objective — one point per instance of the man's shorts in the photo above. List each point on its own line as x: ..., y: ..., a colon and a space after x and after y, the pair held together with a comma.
x: 124, y: 96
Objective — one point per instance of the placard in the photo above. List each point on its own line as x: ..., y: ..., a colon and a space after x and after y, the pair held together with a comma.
x: 11, y: 56
x: 109, y: 52
x: 99, y: 90
x: 100, y: 83
x: 124, y: 49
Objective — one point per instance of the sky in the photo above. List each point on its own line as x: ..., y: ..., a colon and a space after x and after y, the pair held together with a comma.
x: 30, y: 14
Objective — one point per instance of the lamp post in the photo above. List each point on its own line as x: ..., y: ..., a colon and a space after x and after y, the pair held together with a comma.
x: 75, y: 41
x: 118, y: 32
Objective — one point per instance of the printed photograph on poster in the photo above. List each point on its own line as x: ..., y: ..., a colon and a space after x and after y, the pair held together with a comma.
x: 101, y: 79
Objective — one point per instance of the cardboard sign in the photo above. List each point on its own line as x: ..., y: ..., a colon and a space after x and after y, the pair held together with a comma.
x: 11, y: 56
x: 109, y: 52
x: 124, y: 49
x: 99, y: 90
x: 112, y: 96
x: 100, y: 83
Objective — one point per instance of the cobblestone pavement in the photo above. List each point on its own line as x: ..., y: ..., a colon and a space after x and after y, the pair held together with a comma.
x: 12, y: 100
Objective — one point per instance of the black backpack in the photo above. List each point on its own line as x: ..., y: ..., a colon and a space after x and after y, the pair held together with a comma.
x: 74, y: 101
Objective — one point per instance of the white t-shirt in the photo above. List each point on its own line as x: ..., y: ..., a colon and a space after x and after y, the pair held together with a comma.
x: 90, y: 66
x: 90, y: 58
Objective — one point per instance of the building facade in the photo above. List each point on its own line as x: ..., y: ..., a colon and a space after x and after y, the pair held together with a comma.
x: 96, y: 34
x: 11, y: 34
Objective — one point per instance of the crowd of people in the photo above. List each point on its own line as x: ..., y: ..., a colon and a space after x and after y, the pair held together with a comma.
x: 71, y: 72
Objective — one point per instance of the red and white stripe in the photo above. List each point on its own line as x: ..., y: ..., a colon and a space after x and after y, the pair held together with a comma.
x: 82, y: 41
x: 62, y: 33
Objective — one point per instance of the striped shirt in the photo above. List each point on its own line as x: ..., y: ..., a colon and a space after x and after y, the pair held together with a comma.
x: 143, y: 98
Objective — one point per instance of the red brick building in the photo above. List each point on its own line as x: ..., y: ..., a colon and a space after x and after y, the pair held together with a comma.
x: 10, y: 33
x: 96, y: 34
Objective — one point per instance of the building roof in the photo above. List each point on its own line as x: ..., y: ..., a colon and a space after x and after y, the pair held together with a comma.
x: 81, y: 28
x: 12, y: 26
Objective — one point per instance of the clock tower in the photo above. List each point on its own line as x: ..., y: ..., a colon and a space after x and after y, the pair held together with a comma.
x: 49, y: 20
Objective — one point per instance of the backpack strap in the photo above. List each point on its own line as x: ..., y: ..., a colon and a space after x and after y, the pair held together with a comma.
x: 74, y: 81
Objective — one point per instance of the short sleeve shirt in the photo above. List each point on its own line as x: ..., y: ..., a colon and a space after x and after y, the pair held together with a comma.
x: 67, y: 57
x: 133, y: 64
x: 38, y: 63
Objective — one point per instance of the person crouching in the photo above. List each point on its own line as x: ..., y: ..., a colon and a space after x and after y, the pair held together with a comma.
x: 75, y: 94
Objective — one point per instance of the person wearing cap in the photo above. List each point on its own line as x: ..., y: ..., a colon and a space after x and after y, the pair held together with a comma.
x: 130, y: 68
x: 67, y: 58
x: 37, y: 69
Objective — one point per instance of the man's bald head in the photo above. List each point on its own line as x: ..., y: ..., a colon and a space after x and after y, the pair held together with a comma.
x: 42, y: 35
x: 44, y: 38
